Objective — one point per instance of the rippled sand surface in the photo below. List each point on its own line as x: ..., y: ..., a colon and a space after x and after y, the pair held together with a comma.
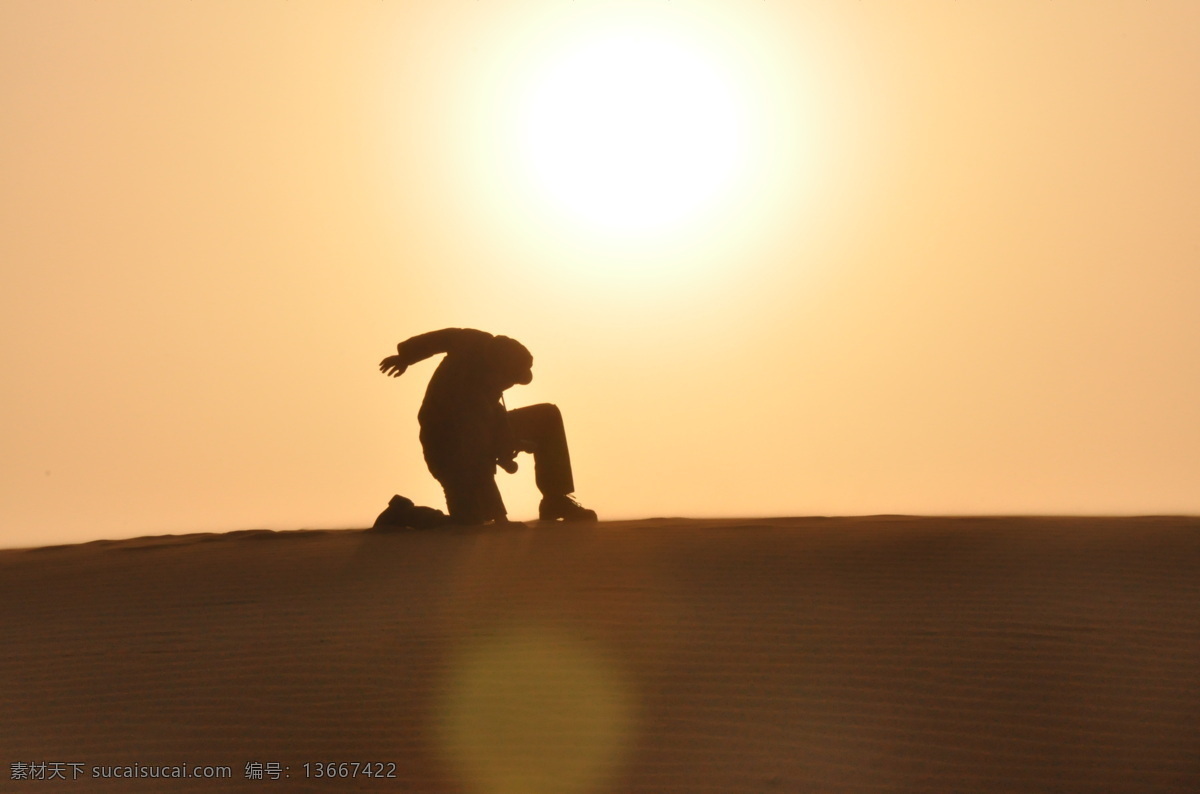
x: 885, y: 653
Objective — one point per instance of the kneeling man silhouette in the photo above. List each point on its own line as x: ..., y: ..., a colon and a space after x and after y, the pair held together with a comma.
x: 466, y: 430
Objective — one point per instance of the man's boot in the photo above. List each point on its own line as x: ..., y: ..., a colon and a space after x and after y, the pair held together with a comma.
x: 564, y: 507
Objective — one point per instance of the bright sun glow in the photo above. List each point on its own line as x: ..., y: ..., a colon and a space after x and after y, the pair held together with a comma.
x: 633, y: 131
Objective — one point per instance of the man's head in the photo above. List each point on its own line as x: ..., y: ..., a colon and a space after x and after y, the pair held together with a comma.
x: 511, y: 361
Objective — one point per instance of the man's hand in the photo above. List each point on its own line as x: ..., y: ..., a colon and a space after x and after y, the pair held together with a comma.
x: 393, y: 365
x: 509, y: 464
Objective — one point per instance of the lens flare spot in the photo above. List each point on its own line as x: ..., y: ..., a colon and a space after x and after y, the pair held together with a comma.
x: 533, y: 709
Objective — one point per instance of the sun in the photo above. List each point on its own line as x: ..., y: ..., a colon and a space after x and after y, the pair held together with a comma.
x: 633, y: 131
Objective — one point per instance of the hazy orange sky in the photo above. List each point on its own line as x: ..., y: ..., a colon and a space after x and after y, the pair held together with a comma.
x: 952, y: 263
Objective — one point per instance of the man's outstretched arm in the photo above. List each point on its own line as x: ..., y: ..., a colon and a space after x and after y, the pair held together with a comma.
x: 422, y: 346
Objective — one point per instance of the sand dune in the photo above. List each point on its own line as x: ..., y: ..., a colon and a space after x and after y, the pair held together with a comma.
x: 854, y: 654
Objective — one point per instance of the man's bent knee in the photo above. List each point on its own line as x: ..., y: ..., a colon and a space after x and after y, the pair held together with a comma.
x: 541, y: 414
